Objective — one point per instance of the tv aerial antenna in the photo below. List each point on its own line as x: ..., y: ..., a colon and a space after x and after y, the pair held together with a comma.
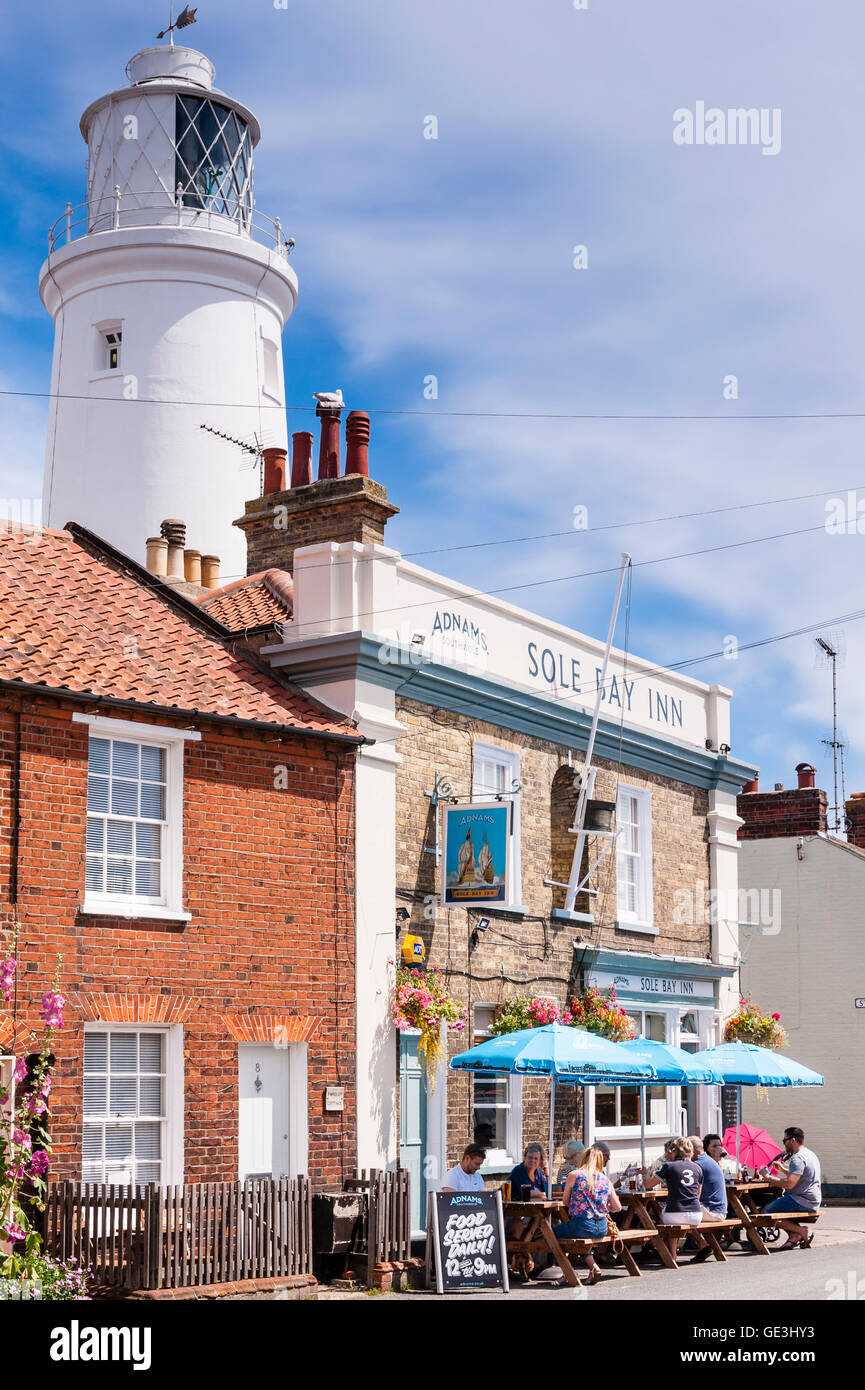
x: 832, y: 652
x: 244, y: 445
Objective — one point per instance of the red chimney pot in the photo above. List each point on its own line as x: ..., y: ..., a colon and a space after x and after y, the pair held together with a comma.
x: 357, y: 443
x: 301, y: 459
x: 806, y: 774
x: 274, y: 470
x: 328, y: 453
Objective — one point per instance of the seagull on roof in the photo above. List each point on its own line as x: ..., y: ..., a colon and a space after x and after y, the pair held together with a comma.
x: 328, y: 397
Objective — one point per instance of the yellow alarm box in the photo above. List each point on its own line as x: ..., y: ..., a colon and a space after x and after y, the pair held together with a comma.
x: 413, y: 950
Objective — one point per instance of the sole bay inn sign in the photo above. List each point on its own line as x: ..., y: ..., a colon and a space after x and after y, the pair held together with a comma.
x: 676, y: 989
x: 447, y: 624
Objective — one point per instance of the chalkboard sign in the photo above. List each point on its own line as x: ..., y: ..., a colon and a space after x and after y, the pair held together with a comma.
x: 468, y: 1241
x: 729, y: 1101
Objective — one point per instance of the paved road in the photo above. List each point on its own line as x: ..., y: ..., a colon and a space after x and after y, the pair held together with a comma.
x: 834, y: 1268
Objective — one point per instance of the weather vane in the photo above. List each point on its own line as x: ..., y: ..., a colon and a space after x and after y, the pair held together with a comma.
x: 186, y: 16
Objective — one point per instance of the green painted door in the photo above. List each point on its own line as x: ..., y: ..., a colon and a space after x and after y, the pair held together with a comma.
x: 412, y: 1127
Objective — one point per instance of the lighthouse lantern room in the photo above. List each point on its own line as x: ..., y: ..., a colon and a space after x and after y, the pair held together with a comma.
x: 169, y: 293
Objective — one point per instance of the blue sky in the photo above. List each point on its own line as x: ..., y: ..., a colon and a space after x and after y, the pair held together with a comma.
x: 453, y: 257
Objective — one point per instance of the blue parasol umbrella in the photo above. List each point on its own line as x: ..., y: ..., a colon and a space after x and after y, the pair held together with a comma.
x: 672, y: 1064
x: 569, y: 1055
x: 745, y: 1064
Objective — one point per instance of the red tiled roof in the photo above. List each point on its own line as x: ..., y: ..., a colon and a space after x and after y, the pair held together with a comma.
x: 73, y: 617
x: 259, y: 600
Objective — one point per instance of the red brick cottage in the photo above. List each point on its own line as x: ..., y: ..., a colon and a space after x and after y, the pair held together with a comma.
x: 176, y: 821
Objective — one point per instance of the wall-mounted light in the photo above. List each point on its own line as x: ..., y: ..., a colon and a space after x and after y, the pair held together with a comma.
x: 402, y: 914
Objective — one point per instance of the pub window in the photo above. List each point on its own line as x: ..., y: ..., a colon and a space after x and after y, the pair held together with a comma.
x: 634, y: 855
x: 494, y: 772
x: 618, y: 1107
x: 495, y: 1102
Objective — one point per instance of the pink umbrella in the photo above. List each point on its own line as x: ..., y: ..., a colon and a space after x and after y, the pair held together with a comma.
x: 755, y: 1147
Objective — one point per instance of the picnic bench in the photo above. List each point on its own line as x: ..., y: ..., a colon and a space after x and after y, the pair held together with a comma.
x: 538, y: 1239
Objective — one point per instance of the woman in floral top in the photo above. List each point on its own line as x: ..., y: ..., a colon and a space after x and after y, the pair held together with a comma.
x: 589, y: 1196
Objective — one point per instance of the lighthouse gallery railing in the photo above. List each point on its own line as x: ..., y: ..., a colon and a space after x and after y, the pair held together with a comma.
x: 132, y: 209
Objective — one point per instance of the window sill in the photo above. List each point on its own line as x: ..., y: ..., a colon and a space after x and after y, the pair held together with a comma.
x: 642, y: 928
x: 559, y: 914
x: 107, y: 375
x: 497, y: 909
x: 499, y: 1167
x: 133, y: 911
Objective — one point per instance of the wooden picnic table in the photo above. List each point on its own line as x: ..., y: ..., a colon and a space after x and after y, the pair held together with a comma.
x: 538, y: 1234
x: 636, y: 1208
x: 741, y: 1204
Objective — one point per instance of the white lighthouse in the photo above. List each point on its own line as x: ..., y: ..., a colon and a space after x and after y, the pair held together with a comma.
x: 169, y: 293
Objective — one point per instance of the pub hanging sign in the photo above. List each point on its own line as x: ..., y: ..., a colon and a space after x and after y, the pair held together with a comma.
x: 476, y: 854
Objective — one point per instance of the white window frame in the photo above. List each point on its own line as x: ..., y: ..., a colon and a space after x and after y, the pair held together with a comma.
x: 102, y: 350
x: 511, y: 1155
x: 169, y: 905
x: 657, y: 1131
x: 645, y: 914
x: 173, y: 1135
x: 270, y: 361
x: 509, y: 759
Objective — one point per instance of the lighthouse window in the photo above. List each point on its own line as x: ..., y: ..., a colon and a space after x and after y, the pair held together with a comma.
x: 213, y: 164
x: 112, y: 349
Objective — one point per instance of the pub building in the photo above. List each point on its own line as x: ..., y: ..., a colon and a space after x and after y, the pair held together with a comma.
x: 471, y: 700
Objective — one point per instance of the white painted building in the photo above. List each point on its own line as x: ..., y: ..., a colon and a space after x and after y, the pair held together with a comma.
x: 169, y: 293
x: 804, y: 959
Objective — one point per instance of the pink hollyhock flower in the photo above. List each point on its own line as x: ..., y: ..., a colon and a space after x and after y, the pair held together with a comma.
x: 20, y: 1136
x: 15, y: 1232
x: 51, y: 1010
x: 20, y: 1071
x: 39, y: 1163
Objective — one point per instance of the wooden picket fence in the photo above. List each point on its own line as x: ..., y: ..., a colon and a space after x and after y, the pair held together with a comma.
x: 388, y: 1222
x: 157, y: 1237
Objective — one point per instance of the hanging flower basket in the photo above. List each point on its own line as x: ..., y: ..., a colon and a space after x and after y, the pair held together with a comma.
x: 748, y: 1025
x: 421, y: 1001
x: 520, y: 1011
x: 597, y: 1011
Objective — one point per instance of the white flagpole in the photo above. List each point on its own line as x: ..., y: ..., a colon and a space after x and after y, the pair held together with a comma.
x: 588, y: 772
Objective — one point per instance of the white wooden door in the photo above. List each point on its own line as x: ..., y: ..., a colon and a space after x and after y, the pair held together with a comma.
x: 264, y: 1118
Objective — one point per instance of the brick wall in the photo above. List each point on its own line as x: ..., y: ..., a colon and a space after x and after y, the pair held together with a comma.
x: 768, y: 815
x: 268, y: 879
x: 535, y: 949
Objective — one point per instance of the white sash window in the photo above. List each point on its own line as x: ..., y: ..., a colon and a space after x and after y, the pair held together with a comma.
x: 634, y: 856
x: 134, y: 865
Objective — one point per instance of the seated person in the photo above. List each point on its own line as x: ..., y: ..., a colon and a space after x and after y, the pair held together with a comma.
x: 802, y: 1189
x: 466, y: 1176
x: 532, y: 1172
x: 713, y: 1194
x: 684, y: 1180
x: 570, y: 1158
x: 589, y: 1196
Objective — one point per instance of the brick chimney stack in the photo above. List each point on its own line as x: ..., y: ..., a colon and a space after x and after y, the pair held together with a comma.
x: 333, y: 508
x: 855, y: 808
x: 786, y: 812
